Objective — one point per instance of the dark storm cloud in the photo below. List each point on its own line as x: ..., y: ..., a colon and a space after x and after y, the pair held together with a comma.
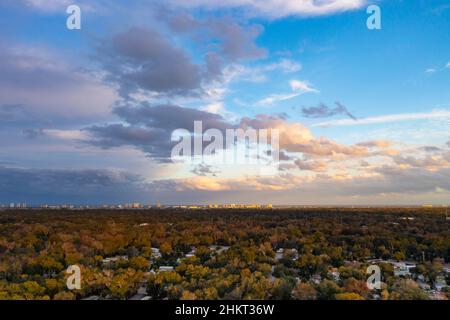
x: 116, y: 135
x: 149, y: 128
x: 144, y: 59
x: 323, y: 111
x: 169, y: 117
x: 40, y: 185
x: 223, y: 39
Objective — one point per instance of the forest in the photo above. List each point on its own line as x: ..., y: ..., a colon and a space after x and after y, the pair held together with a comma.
x: 301, y: 254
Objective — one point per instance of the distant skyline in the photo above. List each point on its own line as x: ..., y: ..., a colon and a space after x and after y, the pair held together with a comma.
x: 86, y: 115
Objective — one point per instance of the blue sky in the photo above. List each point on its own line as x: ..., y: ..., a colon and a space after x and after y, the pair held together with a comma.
x: 363, y: 114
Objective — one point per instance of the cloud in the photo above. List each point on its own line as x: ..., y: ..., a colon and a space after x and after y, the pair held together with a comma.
x: 298, y: 87
x: 279, y: 8
x: 33, y: 133
x: 10, y: 112
x: 232, y: 40
x: 56, y: 7
x: 49, y: 5
x: 65, y: 134
x: 261, y: 73
x: 43, y: 83
x: 383, y: 144
x: 68, y: 185
x: 204, y: 170
x: 73, y: 135
x: 149, y: 128
x: 284, y: 65
x: 302, y: 86
x: 144, y: 59
x: 387, y: 183
x: 147, y: 60
x: 294, y: 137
x: 323, y: 111
x: 108, y: 186
x: 438, y: 114
x: 316, y: 166
x: 430, y: 149
x: 169, y: 117
x: 429, y: 162
x: 274, y: 98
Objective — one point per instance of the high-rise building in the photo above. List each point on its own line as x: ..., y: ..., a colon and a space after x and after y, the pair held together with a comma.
x: 136, y: 205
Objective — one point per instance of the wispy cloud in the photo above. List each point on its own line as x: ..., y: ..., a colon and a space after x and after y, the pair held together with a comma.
x: 302, y: 86
x: 441, y: 114
x: 434, y: 70
x: 273, y: 98
x: 298, y: 87
x: 280, y: 8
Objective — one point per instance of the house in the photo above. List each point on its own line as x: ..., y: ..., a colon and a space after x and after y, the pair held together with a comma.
x: 423, y: 285
x: 334, y: 274
x: 440, y: 283
x: 191, y: 253
x: 141, y: 294
x: 279, y: 254
x: 317, y: 278
x: 272, y: 277
x: 435, y: 295
x: 165, y: 268
x: 137, y: 297
x: 447, y: 269
x: 223, y: 249
x: 156, y: 253
x: 295, y: 255
x: 376, y: 261
x: 403, y: 268
x: 111, y: 260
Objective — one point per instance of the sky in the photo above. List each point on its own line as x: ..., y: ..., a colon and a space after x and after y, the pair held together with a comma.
x: 87, y: 116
